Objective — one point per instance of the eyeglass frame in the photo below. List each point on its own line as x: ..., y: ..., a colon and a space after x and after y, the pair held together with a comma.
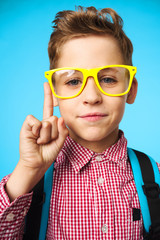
x: 91, y: 73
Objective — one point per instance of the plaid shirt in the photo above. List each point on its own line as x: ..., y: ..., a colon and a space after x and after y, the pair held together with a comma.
x: 93, y: 197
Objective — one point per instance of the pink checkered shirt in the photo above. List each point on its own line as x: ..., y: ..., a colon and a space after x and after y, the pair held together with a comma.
x: 93, y: 197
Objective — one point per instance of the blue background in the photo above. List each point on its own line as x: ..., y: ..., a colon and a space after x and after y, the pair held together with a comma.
x: 25, y: 28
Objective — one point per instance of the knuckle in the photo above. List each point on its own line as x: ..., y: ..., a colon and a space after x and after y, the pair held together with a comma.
x: 33, y: 121
x: 29, y: 118
x: 39, y: 124
x: 46, y: 124
x: 54, y: 119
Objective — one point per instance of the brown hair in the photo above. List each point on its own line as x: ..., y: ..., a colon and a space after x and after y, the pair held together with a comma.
x: 83, y: 22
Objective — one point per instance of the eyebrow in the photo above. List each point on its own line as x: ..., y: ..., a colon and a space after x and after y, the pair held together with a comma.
x: 110, y: 69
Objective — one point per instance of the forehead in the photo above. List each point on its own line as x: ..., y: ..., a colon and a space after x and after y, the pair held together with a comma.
x: 90, y: 52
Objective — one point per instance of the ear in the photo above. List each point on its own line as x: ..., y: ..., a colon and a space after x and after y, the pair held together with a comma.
x: 55, y: 101
x: 133, y: 92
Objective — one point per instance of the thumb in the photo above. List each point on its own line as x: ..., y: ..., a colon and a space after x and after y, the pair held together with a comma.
x: 63, y: 130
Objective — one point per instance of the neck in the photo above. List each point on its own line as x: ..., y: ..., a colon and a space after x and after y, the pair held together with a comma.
x: 98, y: 146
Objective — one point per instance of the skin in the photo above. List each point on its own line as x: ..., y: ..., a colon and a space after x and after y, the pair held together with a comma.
x: 91, y: 52
x: 41, y: 141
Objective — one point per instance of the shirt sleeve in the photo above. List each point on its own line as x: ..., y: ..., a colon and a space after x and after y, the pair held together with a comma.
x: 12, y: 214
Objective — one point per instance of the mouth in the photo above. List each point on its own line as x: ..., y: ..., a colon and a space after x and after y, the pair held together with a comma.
x: 92, y: 117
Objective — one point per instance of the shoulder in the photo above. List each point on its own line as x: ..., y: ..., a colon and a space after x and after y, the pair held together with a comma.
x: 143, y: 157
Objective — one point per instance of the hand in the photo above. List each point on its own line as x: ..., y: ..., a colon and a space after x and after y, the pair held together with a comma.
x: 41, y: 141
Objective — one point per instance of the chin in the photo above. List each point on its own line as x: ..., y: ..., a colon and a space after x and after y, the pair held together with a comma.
x: 93, y: 137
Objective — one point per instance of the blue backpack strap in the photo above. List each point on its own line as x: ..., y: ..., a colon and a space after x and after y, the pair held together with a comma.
x: 139, y: 183
x: 147, y: 180
x: 48, y: 180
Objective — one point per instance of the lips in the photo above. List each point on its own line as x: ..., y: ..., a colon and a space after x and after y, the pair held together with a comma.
x: 93, y: 116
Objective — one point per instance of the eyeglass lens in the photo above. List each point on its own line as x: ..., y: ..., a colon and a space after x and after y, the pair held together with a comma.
x: 112, y: 80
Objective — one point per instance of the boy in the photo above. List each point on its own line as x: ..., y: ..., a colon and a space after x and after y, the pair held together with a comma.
x: 94, y: 193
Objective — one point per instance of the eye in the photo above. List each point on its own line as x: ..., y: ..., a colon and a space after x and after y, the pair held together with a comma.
x: 73, y: 82
x: 108, y: 80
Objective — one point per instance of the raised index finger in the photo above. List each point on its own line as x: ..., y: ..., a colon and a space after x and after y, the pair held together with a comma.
x: 48, y: 101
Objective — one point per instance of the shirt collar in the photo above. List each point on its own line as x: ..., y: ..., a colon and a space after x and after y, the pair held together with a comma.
x: 118, y: 152
x: 79, y: 156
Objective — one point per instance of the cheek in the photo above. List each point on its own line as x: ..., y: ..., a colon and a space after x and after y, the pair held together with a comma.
x: 66, y: 109
x: 117, y: 106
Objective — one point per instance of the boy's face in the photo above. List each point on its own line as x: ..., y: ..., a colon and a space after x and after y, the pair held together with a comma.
x: 93, y: 118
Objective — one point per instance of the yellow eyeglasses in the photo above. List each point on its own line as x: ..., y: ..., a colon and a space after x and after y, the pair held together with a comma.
x: 111, y: 80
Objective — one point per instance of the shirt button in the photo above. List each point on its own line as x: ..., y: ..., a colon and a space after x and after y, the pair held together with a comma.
x: 98, y: 158
x: 100, y: 180
x: 10, y: 217
x: 25, y: 212
x: 104, y: 228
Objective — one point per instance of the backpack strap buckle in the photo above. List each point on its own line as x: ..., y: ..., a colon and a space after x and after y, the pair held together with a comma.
x: 151, y: 190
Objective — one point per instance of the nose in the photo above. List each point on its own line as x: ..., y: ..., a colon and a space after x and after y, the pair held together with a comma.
x: 91, y: 94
